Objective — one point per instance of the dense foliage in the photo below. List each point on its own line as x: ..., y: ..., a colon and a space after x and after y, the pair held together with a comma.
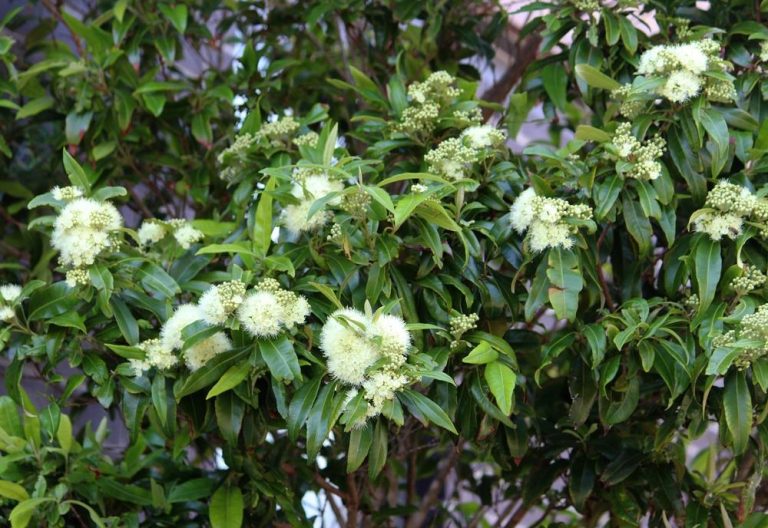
x: 290, y: 254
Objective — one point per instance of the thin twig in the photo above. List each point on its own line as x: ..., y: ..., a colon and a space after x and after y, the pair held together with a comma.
x: 437, y: 485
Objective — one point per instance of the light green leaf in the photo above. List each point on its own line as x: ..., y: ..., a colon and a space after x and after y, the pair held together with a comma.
x: 737, y: 404
x: 226, y: 509
x: 501, y: 381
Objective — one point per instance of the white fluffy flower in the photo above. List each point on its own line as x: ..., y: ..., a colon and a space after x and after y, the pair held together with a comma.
x: 681, y: 86
x: 151, y: 233
x: 522, y: 210
x: 298, y: 312
x: 650, y: 61
x: 261, y: 314
x: 344, y: 343
x: 395, y: 337
x: 201, y: 353
x: 6, y: 313
x: 718, y: 225
x: 381, y: 387
x: 184, y: 315
x: 10, y: 292
x: 691, y: 57
x: 66, y: 193
x: 218, y: 302
x: 544, y: 235
x: 82, y: 231
x: 483, y: 136
x: 186, y: 235
x: 309, y: 190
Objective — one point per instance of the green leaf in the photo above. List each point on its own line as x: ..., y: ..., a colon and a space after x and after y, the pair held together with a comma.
x: 381, y: 196
x: 301, y: 405
x: 156, y: 280
x: 211, y: 372
x: 22, y: 513
x: 262, y: 226
x: 501, y: 381
x: 64, y: 433
x: 126, y: 322
x: 555, y: 82
x: 231, y: 379
x: 360, y: 440
x: 425, y: 410
x: 230, y: 410
x: 566, y: 283
x: 35, y: 106
x: 481, y: 354
x: 708, y: 265
x: 13, y: 491
x: 377, y: 456
x: 190, y: 490
x: 176, y: 14
x: 226, y: 509
x: 590, y: 133
x: 737, y: 405
x: 595, y: 78
x: 51, y: 301
x: 75, y: 172
x: 280, y: 358
x: 637, y: 224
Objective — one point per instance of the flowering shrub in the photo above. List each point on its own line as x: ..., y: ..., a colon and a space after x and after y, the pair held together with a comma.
x: 327, y: 280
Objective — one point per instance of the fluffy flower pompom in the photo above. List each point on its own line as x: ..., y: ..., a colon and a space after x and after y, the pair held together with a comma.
x: 83, y: 230
x: 219, y: 302
x: 261, y: 314
x: 521, y: 213
x: 186, y: 235
x: 201, y: 353
x: 151, y: 233
x: 681, y: 86
x: 184, y: 315
x: 344, y: 343
x: 310, y: 189
x: 10, y: 292
x: 395, y: 337
x: 6, y: 313
x: 483, y: 136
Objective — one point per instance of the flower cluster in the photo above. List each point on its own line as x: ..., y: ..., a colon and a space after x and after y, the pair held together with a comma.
x: 153, y: 231
x: 268, y: 309
x: 427, y: 100
x: 220, y: 301
x: 632, y: 103
x: 764, y: 50
x: 367, y: 351
x: 66, y: 194
x: 9, y: 294
x: 753, y: 331
x: 235, y: 157
x: 453, y: 157
x: 724, y: 212
x: 642, y: 155
x: 460, y: 325
x: 682, y: 68
x: 550, y: 222
x: 307, y: 190
x: 84, y: 229
x: 309, y: 139
x: 750, y: 279
x: 278, y: 131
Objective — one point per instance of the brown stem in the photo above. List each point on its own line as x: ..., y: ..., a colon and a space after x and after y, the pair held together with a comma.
x: 526, y: 52
x: 54, y: 10
x: 437, y: 485
x: 353, y: 504
x: 320, y: 481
